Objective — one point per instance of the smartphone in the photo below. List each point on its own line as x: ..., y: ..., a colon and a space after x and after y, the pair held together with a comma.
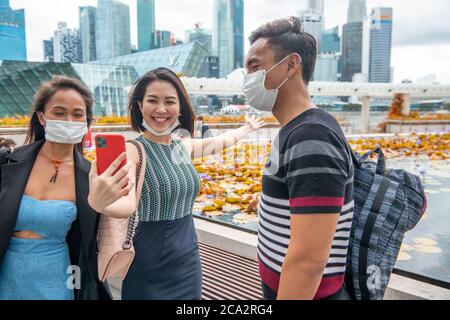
x: 108, y: 148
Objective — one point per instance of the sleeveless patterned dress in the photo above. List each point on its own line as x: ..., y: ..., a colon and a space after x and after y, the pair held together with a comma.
x: 167, y: 262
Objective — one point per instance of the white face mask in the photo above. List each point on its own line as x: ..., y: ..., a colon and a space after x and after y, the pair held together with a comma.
x: 255, y: 90
x: 166, y: 132
x: 65, y: 132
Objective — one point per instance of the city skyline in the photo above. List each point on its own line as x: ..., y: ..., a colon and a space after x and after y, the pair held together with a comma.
x: 431, y: 43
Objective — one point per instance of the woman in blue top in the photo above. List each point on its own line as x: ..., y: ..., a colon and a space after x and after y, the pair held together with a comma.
x: 47, y: 229
x: 167, y: 263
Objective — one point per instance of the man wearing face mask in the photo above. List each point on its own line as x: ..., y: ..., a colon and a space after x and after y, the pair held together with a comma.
x: 306, y: 207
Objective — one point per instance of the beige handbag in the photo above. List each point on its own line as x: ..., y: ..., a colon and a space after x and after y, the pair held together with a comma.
x: 115, y: 236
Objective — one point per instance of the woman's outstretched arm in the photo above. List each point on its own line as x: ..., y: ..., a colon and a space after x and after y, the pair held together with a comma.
x: 200, y: 148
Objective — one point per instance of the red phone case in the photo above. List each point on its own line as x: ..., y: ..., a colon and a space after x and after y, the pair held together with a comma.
x: 108, y: 148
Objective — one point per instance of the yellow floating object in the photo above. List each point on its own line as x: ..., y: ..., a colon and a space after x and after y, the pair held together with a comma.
x: 424, y: 241
x: 200, y: 169
x: 403, y: 256
x: 209, y: 208
x: 219, y: 203
x: 406, y: 247
x: 427, y: 249
x: 233, y: 200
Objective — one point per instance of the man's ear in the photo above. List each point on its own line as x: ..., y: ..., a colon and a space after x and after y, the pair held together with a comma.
x: 294, y: 64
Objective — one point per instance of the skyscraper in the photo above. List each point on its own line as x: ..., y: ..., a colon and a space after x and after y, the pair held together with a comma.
x: 146, y: 24
x: 87, y: 33
x: 357, y: 11
x: 353, y: 41
x: 380, y: 45
x: 201, y: 35
x: 331, y: 42
x: 66, y: 44
x: 228, y: 38
x: 316, y: 6
x: 313, y: 19
x: 164, y: 39
x: 112, y: 29
x: 352, y: 49
x: 209, y: 68
x: 238, y: 33
x: 327, y: 67
x: 328, y: 59
x: 49, y: 53
x: 12, y: 33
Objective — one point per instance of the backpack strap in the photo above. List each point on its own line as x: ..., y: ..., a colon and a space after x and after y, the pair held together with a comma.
x: 381, y: 163
x: 367, y: 234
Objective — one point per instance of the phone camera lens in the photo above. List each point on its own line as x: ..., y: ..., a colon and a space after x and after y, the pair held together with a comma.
x: 101, y: 142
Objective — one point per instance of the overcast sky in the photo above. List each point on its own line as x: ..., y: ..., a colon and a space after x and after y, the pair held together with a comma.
x: 421, y: 44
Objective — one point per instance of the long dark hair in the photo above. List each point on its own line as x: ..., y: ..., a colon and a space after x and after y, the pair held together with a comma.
x: 45, y: 93
x: 138, y: 92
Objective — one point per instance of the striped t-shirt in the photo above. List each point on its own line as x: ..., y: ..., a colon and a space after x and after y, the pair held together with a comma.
x: 309, y: 171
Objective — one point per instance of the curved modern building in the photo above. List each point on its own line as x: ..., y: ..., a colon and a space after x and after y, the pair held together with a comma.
x: 185, y: 59
x: 19, y: 81
x: 108, y: 79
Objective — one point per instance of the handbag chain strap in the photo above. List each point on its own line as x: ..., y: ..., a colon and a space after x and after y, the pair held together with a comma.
x: 133, y: 221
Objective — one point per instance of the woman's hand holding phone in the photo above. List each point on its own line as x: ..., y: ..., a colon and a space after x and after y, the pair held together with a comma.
x: 111, y: 185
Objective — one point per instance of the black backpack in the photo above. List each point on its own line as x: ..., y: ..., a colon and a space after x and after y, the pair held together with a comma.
x: 388, y: 203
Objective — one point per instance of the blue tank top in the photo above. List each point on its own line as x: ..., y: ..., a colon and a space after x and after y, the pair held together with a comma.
x: 48, y: 218
x: 39, y: 269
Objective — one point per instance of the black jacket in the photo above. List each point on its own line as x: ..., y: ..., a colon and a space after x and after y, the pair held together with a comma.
x: 82, y: 238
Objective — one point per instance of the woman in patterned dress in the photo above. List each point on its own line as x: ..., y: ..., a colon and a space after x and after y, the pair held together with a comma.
x: 167, y: 262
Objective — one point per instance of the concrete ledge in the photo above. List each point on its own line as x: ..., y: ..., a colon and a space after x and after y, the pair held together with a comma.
x: 244, y: 244
x: 228, y: 239
x: 402, y: 288
x: 406, y: 126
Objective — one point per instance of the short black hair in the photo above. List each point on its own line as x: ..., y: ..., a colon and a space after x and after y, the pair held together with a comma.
x: 287, y: 36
